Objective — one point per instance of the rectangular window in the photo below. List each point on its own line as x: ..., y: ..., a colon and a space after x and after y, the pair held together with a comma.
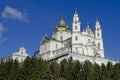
x: 98, y: 45
x: 75, y: 27
x: 76, y: 38
x: 56, y: 46
x: 61, y: 38
x: 98, y: 34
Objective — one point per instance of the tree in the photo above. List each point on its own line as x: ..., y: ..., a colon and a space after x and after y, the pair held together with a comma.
x: 64, y: 68
x: 37, y: 69
x: 103, y: 72
x: 97, y: 72
x: 109, y: 68
x: 3, y: 71
x: 116, y: 71
x: 88, y: 71
x: 77, y: 70
x: 55, y: 70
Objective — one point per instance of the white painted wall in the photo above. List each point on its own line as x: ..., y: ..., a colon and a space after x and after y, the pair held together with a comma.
x: 66, y: 34
x: 45, y: 47
x: 50, y: 46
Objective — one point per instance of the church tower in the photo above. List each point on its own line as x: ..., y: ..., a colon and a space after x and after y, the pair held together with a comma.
x: 99, y: 39
x: 76, y: 33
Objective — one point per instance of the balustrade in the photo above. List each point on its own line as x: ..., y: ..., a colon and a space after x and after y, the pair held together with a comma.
x: 55, y: 54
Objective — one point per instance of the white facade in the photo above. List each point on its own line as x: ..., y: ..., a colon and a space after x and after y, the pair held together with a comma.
x: 20, y: 55
x: 65, y: 42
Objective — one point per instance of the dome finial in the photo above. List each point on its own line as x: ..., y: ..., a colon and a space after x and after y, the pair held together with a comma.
x: 87, y: 23
x: 97, y: 20
x: 22, y: 45
x: 75, y: 10
x: 61, y: 13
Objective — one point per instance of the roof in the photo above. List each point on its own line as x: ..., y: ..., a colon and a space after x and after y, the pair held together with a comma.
x: 47, y: 39
x: 62, y: 26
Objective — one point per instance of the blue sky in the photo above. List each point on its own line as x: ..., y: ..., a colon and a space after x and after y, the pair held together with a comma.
x: 27, y: 21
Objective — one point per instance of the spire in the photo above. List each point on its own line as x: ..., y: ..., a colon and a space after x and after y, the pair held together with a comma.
x: 97, y: 22
x: 62, y: 22
x: 75, y: 13
x: 76, y: 17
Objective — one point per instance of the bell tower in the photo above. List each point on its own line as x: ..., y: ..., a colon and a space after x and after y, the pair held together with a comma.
x: 76, y: 33
x: 99, y: 39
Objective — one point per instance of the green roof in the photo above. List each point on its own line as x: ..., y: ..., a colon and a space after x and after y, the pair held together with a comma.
x: 47, y: 39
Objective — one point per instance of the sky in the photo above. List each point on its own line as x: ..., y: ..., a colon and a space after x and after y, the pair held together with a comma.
x: 25, y: 22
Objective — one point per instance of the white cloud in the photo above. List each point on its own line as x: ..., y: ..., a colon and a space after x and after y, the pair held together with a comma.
x: 14, y: 13
x: 2, y: 29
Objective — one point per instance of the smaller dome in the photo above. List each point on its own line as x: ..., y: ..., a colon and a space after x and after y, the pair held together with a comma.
x: 88, y: 30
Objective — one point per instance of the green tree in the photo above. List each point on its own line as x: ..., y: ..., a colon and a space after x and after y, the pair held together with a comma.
x: 88, y: 71
x: 116, y: 71
x: 103, y: 72
x: 55, y: 70
x: 97, y: 72
x: 77, y: 70
x: 110, y: 74
x: 3, y: 71
x: 64, y: 68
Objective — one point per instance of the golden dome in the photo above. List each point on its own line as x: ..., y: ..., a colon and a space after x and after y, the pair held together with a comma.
x: 62, y: 26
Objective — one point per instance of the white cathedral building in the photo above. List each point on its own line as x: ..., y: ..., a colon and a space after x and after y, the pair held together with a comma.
x: 80, y: 45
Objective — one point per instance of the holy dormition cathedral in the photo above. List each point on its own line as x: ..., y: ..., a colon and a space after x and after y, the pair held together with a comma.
x: 86, y: 42
x: 80, y: 45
